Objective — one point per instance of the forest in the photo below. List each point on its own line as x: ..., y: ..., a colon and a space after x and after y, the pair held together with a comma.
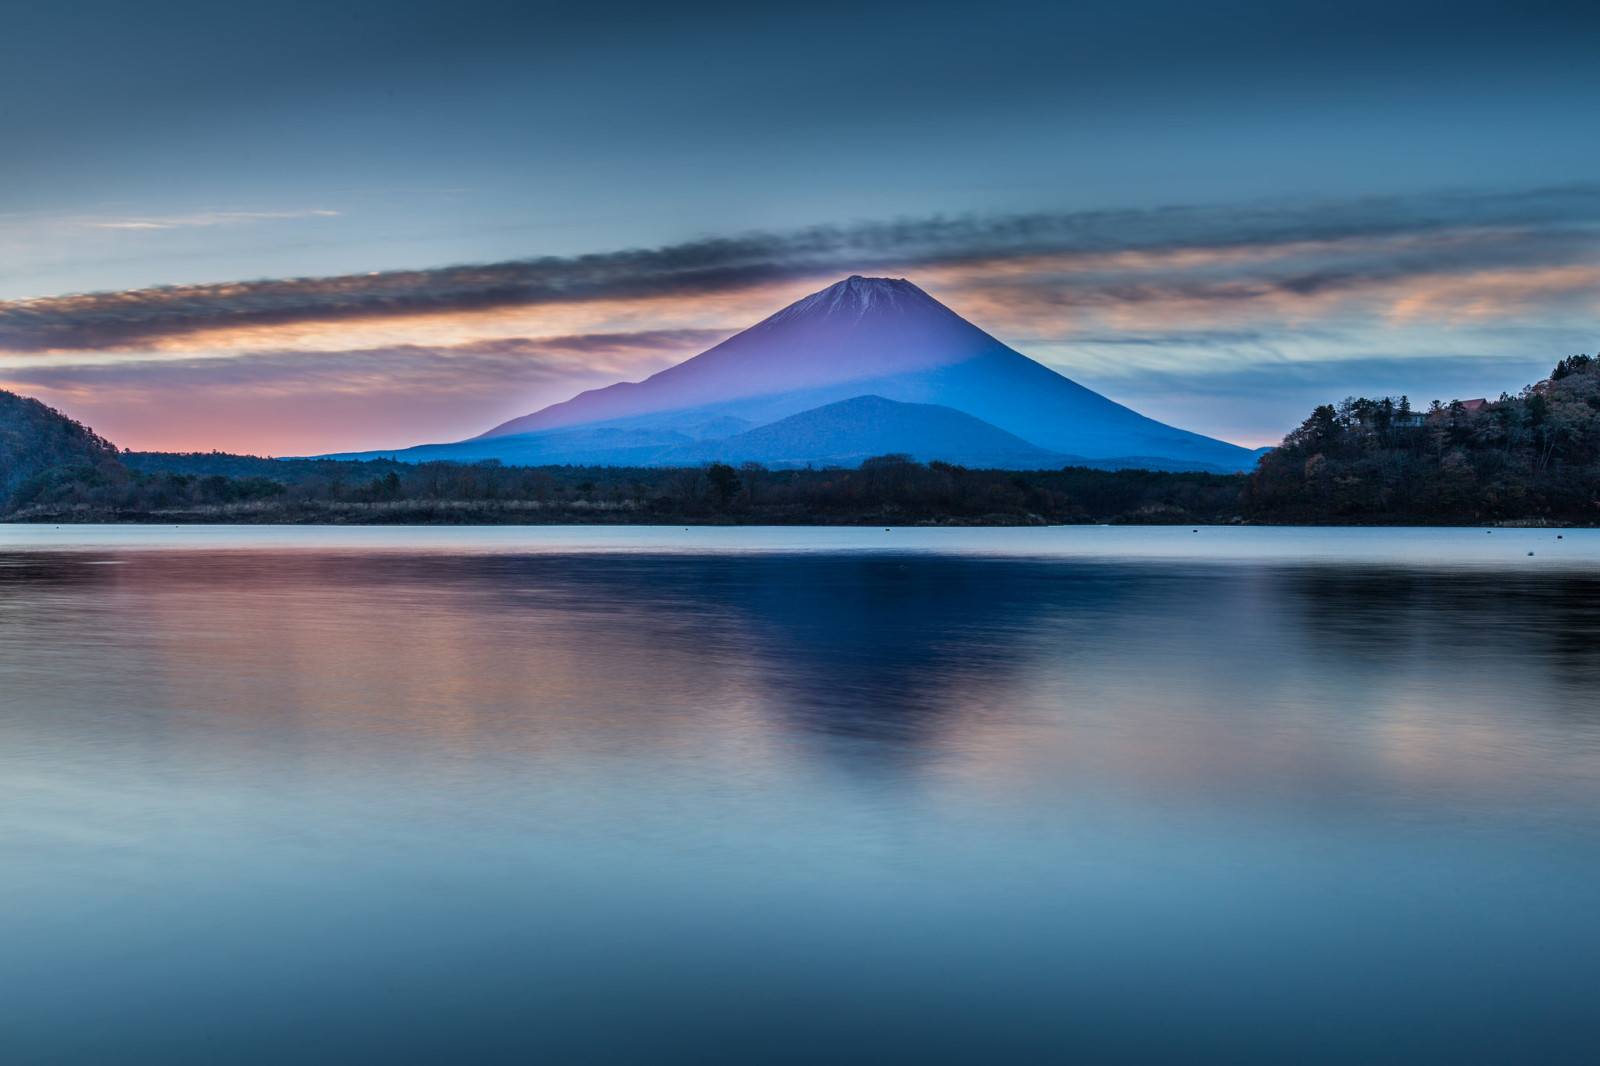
x: 1532, y: 458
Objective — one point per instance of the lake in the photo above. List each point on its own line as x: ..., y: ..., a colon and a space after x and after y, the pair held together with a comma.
x: 646, y: 795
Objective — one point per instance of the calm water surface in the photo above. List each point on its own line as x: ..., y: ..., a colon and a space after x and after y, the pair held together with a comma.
x: 657, y: 795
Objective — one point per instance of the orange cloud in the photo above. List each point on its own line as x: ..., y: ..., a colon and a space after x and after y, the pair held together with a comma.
x: 1496, y: 294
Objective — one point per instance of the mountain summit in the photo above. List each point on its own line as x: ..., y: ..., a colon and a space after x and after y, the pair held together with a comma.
x: 855, y: 296
x: 882, y: 338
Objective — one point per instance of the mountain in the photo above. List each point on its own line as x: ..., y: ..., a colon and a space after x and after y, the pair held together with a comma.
x: 859, y: 329
x: 862, y: 337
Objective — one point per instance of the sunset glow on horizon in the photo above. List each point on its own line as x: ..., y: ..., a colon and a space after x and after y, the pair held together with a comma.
x: 1396, y: 220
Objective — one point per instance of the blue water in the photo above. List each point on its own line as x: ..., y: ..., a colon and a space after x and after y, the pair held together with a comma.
x: 922, y: 796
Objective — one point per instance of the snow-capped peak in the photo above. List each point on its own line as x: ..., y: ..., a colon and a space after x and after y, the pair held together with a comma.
x: 854, y: 297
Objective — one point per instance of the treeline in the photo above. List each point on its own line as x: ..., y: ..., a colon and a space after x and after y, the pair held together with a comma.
x: 889, y: 489
x: 1532, y: 457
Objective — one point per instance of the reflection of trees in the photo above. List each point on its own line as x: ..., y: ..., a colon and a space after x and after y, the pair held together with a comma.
x: 1520, y: 625
x: 20, y: 571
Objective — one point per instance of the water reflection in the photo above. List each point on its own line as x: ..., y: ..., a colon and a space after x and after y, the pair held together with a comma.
x: 877, y: 658
x: 793, y: 808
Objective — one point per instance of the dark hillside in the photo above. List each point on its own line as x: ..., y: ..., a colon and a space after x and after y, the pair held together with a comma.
x: 35, y: 439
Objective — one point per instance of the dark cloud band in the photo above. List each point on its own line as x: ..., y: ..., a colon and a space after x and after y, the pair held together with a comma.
x: 1394, y: 237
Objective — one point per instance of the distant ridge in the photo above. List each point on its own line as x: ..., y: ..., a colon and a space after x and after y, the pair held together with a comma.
x: 847, y: 432
x: 862, y: 338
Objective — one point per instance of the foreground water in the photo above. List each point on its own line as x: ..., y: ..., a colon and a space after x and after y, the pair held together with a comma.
x: 664, y: 795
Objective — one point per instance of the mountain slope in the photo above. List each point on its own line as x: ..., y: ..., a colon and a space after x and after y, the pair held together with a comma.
x: 838, y: 434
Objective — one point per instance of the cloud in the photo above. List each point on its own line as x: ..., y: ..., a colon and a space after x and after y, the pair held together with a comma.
x: 44, y: 227
x: 1481, y: 271
x: 480, y: 368
x: 198, y: 219
x: 1284, y: 259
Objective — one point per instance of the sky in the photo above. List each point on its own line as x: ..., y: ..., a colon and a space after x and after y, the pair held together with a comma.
x: 294, y: 227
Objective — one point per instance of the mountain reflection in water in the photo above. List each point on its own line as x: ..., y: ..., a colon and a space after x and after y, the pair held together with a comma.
x: 341, y: 806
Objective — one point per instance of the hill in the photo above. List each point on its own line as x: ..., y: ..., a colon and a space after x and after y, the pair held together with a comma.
x: 1533, y: 457
x: 35, y: 439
